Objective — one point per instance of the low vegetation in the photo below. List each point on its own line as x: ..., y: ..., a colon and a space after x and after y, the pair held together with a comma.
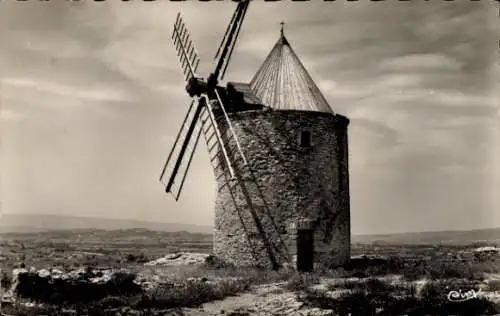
x: 396, y: 280
x: 413, y: 269
x: 377, y: 297
x: 80, y: 290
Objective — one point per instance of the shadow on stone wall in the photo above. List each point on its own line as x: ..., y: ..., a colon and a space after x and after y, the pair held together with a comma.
x: 245, y: 229
x: 289, y: 161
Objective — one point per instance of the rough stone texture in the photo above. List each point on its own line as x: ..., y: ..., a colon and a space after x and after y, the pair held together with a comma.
x: 255, y: 215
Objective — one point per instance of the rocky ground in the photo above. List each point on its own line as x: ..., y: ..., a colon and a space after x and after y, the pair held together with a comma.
x: 268, y: 299
x: 265, y: 299
x: 179, y: 259
x: 273, y: 297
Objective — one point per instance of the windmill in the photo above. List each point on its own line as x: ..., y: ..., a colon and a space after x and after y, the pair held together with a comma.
x: 278, y: 152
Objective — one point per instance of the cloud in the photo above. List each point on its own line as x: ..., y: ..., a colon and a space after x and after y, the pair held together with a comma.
x: 460, y: 99
x: 7, y: 115
x: 420, y: 62
x: 91, y: 93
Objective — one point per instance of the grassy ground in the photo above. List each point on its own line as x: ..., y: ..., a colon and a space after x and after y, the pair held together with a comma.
x: 413, y: 280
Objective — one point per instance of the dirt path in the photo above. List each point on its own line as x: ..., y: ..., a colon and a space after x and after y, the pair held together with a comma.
x: 269, y: 299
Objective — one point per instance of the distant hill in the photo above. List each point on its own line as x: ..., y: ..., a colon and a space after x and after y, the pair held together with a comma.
x: 433, y: 237
x: 30, y: 223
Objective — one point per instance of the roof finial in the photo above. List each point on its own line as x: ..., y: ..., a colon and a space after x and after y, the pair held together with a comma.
x: 282, y: 24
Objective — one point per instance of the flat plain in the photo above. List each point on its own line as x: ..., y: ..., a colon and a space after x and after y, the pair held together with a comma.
x: 172, y: 275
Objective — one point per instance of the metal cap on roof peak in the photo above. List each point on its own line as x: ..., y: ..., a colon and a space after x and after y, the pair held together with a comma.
x: 283, y: 40
x: 283, y: 83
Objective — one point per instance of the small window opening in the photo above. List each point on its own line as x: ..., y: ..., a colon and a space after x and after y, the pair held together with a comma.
x: 305, y: 139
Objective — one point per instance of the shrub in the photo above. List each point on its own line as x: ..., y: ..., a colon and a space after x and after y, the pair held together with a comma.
x: 434, y: 300
x: 140, y: 258
x: 130, y: 257
x: 367, y: 285
x: 5, y: 280
x: 214, y: 262
x: 354, y: 303
x: 301, y: 282
x: 442, y: 270
x: 343, y: 284
x: 414, y: 269
x: 494, y: 285
x: 192, y: 294
x: 22, y: 310
x: 376, y: 297
x: 60, y: 291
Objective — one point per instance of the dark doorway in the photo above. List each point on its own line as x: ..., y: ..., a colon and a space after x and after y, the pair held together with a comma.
x: 305, y: 250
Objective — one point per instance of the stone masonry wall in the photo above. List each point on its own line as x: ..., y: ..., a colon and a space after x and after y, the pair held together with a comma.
x: 285, y: 181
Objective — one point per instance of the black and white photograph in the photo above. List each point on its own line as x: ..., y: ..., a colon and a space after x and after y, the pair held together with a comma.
x: 249, y: 157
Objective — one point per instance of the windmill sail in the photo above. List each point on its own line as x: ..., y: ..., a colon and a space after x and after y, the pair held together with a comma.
x: 186, y: 51
x: 198, y: 120
x: 176, y: 164
x: 283, y: 83
x: 176, y: 167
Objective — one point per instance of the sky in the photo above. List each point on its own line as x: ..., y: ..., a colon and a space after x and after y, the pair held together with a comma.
x: 92, y: 97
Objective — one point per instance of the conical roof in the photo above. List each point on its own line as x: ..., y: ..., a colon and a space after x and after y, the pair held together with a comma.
x: 283, y: 83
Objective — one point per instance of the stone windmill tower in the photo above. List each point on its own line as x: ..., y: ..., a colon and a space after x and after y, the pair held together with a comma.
x: 279, y: 155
